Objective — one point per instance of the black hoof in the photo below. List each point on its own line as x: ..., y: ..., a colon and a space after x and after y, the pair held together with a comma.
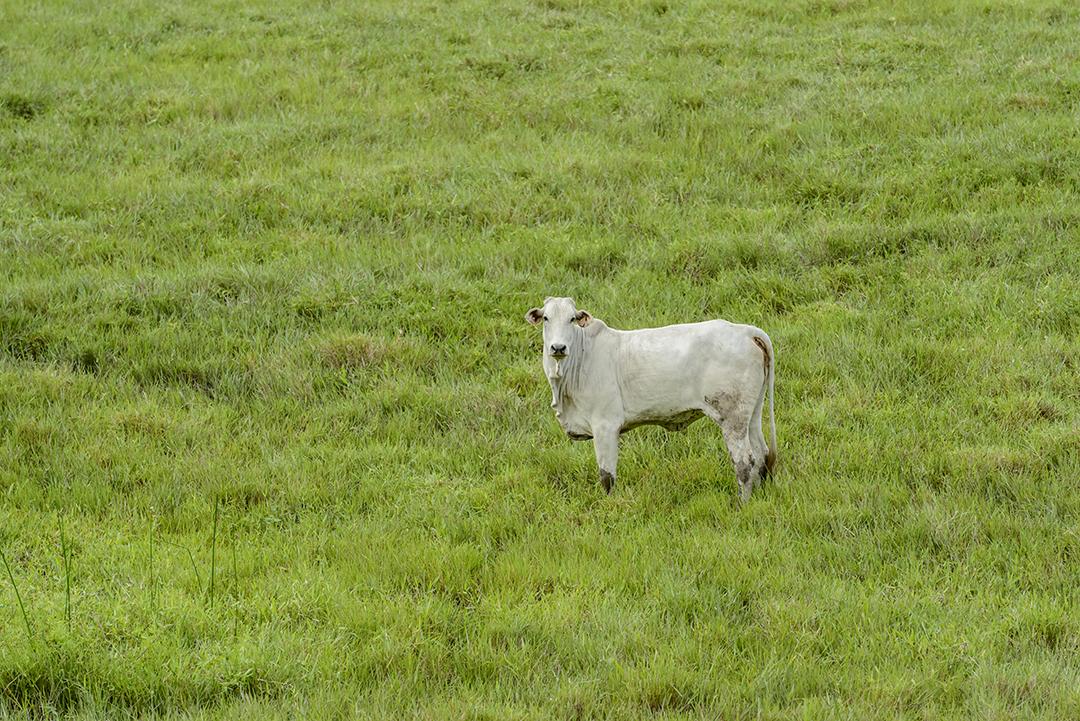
x: 607, y: 480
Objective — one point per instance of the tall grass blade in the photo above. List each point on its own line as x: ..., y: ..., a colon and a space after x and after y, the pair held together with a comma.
x: 18, y: 596
x: 153, y: 590
x: 191, y: 557
x: 66, y: 554
x: 235, y: 589
x: 213, y: 553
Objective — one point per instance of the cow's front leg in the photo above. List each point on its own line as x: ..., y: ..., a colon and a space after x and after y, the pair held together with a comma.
x: 606, y: 444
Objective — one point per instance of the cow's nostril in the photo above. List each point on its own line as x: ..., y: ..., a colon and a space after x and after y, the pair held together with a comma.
x: 558, y: 348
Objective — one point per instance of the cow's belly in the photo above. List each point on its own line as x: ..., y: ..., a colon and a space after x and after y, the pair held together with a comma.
x: 672, y: 422
x: 660, y: 401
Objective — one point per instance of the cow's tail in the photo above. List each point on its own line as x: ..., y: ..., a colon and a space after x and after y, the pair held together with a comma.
x: 770, y: 371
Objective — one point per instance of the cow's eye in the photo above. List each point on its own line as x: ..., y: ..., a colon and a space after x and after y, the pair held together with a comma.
x: 545, y: 319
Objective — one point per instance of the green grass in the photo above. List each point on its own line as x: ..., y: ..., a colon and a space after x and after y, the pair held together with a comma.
x: 273, y: 259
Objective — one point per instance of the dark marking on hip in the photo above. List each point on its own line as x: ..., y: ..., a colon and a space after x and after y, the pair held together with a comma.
x: 723, y: 402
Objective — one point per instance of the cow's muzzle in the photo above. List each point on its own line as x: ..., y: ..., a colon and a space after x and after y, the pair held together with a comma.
x: 558, y: 351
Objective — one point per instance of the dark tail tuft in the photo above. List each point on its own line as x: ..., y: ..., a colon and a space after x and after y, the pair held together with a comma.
x: 770, y: 461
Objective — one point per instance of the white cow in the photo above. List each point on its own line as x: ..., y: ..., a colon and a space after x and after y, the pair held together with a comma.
x: 605, y: 382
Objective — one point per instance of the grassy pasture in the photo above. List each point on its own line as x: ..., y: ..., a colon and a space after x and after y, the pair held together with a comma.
x: 273, y: 258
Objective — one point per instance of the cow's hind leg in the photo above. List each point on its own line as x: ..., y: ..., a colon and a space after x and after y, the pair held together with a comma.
x: 742, y: 457
x: 758, y: 445
x: 734, y: 422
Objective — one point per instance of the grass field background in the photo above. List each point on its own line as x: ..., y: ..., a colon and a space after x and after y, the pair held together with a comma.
x: 274, y: 258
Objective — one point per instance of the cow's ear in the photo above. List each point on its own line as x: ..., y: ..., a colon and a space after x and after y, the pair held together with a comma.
x: 534, y: 316
x: 582, y: 318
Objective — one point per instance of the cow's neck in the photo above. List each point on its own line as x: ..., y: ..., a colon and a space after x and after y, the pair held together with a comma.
x: 562, y: 375
x: 565, y: 376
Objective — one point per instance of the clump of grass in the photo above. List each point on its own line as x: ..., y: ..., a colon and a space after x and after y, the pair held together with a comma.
x: 353, y: 352
x: 21, y: 106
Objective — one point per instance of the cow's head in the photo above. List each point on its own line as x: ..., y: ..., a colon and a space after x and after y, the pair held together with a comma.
x: 562, y: 326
